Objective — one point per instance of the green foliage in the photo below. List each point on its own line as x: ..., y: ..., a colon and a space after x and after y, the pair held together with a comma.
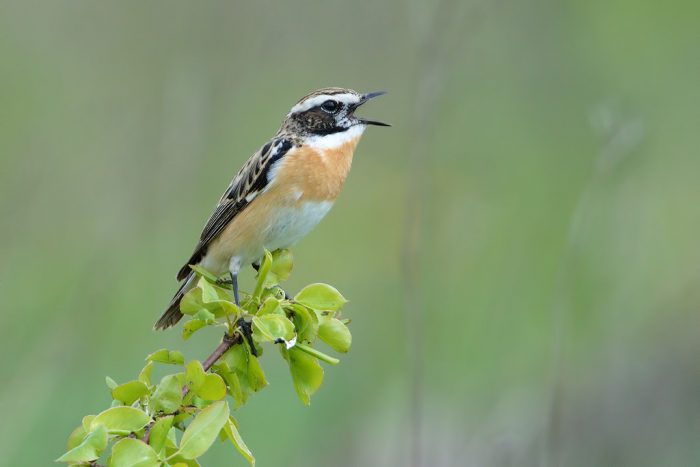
x: 144, y: 422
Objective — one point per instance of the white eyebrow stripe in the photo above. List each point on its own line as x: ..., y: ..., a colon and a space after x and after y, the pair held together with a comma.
x: 346, y: 98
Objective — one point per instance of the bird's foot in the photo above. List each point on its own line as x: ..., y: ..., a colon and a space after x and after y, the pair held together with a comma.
x: 246, y: 330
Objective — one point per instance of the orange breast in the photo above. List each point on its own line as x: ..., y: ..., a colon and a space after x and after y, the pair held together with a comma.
x: 307, y: 174
x: 318, y: 174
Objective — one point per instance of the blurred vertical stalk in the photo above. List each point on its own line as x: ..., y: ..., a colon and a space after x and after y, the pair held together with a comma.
x: 433, y: 66
x: 620, y: 137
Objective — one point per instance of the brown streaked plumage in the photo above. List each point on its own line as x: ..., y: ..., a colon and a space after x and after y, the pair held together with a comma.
x: 282, y: 191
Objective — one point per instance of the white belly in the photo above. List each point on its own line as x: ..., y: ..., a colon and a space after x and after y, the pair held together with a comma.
x: 285, y: 227
x: 289, y: 225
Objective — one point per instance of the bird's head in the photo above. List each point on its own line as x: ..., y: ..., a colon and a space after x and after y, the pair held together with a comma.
x: 329, y: 111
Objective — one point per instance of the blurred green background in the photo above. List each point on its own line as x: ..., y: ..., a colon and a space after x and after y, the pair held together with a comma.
x: 520, y: 249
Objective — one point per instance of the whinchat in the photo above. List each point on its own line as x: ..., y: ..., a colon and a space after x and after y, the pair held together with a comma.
x: 282, y: 192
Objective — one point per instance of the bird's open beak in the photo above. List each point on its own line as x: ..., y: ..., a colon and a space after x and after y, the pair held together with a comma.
x: 365, y: 98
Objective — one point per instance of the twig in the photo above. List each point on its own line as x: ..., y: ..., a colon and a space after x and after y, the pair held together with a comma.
x: 147, y: 432
x: 226, y: 343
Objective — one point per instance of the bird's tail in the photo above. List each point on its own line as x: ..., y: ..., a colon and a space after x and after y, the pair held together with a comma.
x: 172, y: 314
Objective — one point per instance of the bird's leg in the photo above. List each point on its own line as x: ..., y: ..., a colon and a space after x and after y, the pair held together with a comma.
x: 244, y: 325
x: 234, y: 285
x: 234, y: 265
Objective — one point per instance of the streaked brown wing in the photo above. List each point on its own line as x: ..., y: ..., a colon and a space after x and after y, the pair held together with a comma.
x: 248, y: 182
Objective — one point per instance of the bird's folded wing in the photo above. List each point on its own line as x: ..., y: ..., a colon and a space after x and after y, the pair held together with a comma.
x: 246, y: 185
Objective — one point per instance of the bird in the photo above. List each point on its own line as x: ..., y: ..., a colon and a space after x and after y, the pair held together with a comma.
x: 281, y: 192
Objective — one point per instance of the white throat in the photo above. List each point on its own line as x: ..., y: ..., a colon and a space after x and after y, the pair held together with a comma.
x: 335, y: 140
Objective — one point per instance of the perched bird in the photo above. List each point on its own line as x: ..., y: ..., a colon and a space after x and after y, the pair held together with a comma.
x: 282, y: 192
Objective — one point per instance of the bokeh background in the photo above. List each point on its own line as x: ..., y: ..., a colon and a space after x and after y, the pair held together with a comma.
x: 520, y: 249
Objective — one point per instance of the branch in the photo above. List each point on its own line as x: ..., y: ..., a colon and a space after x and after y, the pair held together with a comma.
x: 227, y: 342
x: 141, y: 405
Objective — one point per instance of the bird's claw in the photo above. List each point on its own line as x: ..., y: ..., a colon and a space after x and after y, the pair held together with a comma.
x: 246, y: 330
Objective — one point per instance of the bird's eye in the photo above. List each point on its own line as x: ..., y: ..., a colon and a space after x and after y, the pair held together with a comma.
x: 330, y: 106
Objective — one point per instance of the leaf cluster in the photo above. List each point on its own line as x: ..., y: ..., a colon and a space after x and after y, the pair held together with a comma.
x: 175, y: 420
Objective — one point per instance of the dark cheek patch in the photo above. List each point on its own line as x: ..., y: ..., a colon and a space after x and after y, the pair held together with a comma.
x: 318, y: 122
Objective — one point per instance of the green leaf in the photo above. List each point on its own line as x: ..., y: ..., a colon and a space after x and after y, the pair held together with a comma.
x: 121, y: 420
x: 265, y: 266
x: 168, y: 394
x: 171, y: 357
x: 130, y: 452
x: 171, y: 440
x: 76, y: 437
x: 182, y: 416
x: 205, y: 315
x: 200, y: 319
x: 191, y: 327
x: 321, y: 297
x: 178, y: 461
x: 234, y: 385
x: 270, y: 327
x: 111, y: 384
x: 87, y: 421
x: 307, y: 374
x: 213, y: 389
x: 281, y: 267
x: 232, y: 433
x: 145, y: 374
x: 191, y: 302
x: 159, y: 432
x: 195, y: 375
x: 210, y: 297
x: 203, y: 430
x: 334, y: 333
x: 305, y: 322
x: 208, y: 291
x: 246, y: 366
x: 254, y: 373
x: 129, y: 392
x: 242, y: 372
x: 270, y: 306
x: 201, y: 272
x: 90, y: 449
x: 217, y: 299
x: 206, y: 386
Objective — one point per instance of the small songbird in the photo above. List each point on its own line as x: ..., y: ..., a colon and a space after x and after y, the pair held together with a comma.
x: 282, y: 192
